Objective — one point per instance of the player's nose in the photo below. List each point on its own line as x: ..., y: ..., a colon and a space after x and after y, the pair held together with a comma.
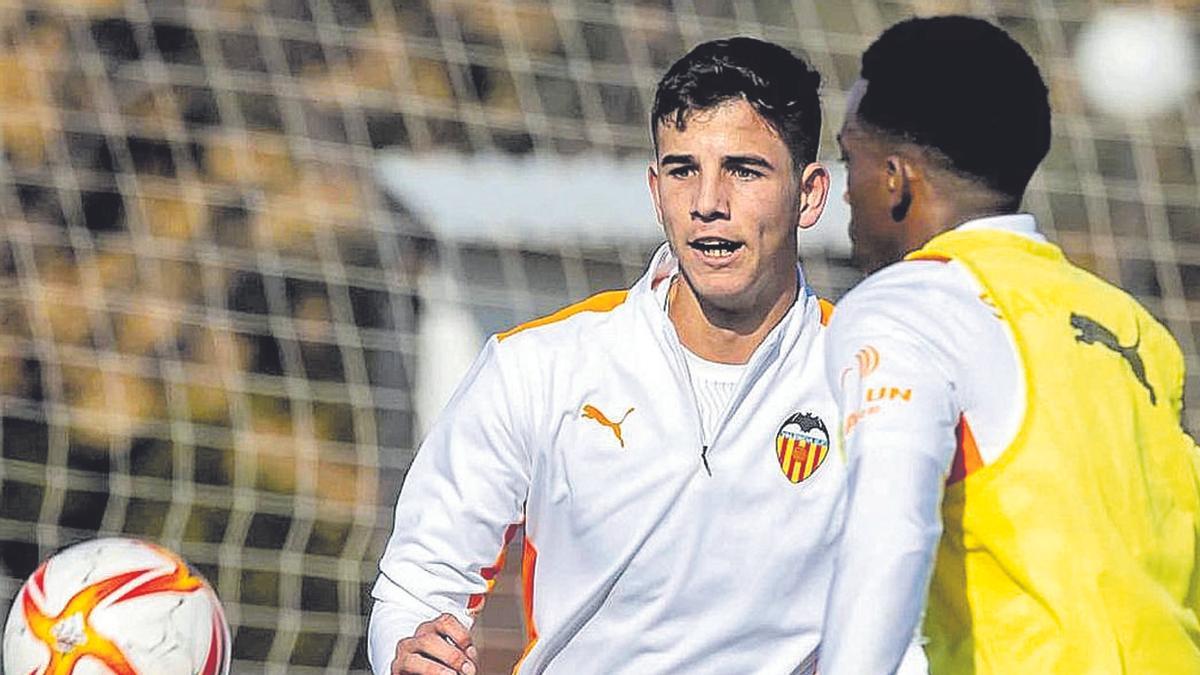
x: 711, y: 200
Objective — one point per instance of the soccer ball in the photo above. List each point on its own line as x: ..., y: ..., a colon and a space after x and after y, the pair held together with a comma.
x: 116, y: 606
x: 1137, y: 62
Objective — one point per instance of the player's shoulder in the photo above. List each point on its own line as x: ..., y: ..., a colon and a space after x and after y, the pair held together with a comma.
x: 923, y: 298
x: 589, y: 317
x: 923, y: 284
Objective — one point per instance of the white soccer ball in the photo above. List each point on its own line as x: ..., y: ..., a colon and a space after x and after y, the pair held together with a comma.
x: 118, y: 606
x: 1136, y: 62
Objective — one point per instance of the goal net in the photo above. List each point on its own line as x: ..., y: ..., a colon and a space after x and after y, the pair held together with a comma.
x: 249, y: 245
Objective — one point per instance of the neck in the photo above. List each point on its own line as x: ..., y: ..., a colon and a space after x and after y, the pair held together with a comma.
x: 939, y: 215
x: 723, y: 335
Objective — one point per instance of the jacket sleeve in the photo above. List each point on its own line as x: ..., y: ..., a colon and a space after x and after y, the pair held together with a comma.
x: 463, y: 494
x: 898, y: 415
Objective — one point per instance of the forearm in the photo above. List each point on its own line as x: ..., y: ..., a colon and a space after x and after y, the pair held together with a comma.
x: 462, y: 498
x: 885, y: 557
x: 391, y: 621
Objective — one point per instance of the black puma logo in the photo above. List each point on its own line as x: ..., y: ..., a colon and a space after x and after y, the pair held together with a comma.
x: 1091, y: 333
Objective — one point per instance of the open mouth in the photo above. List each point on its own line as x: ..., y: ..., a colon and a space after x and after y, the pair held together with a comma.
x: 715, y: 247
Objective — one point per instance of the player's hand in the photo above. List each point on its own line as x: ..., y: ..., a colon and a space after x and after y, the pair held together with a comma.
x: 441, y: 646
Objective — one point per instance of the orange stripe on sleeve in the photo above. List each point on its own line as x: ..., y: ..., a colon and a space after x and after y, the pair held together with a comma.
x: 489, y: 573
x: 601, y: 302
x: 528, y: 565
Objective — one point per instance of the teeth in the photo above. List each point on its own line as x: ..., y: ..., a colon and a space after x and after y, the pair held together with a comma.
x: 716, y: 248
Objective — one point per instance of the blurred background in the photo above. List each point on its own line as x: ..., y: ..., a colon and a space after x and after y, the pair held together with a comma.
x: 247, y: 247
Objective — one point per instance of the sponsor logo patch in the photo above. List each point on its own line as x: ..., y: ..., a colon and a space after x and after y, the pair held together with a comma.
x: 875, y: 397
x: 866, y: 360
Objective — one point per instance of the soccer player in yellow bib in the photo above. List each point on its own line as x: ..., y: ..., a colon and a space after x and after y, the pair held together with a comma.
x: 1017, y: 468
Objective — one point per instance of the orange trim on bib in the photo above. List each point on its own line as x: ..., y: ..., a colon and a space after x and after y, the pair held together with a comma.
x: 967, y: 459
x: 600, y: 302
x: 923, y: 255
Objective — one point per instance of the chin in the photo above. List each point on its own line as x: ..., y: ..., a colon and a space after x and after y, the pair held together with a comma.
x: 721, y: 295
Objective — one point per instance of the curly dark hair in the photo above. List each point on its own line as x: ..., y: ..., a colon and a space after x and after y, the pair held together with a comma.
x: 780, y: 86
x: 965, y: 88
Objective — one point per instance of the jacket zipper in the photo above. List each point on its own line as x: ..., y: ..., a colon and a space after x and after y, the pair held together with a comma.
x: 704, y: 443
x: 739, y: 393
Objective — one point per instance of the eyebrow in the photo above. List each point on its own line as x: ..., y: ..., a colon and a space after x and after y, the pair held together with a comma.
x: 728, y: 160
x: 747, y: 160
x: 677, y: 159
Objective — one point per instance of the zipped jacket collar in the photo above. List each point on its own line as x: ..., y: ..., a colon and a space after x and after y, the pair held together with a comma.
x: 800, y: 316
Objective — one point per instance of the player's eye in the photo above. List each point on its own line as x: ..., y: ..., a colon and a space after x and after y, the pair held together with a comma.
x: 682, y: 171
x: 745, y: 173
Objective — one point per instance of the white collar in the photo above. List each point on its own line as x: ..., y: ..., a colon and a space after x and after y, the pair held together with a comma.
x: 1023, y: 224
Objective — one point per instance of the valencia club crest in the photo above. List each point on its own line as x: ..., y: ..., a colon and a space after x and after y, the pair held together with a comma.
x: 801, y: 445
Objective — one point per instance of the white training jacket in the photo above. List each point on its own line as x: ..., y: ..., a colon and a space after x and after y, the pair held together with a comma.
x: 645, y: 561
x: 922, y: 327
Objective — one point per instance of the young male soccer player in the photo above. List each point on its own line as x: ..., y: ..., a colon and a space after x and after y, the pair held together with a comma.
x: 999, y: 405
x: 664, y: 447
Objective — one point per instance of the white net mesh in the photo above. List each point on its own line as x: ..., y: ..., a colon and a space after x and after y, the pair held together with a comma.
x: 211, y: 312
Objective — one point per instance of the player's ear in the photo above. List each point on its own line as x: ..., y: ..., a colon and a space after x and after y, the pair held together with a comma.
x: 900, y: 174
x: 652, y: 181
x: 814, y: 190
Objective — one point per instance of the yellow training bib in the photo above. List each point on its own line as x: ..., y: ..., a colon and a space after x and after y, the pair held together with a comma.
x: 1076, y: 551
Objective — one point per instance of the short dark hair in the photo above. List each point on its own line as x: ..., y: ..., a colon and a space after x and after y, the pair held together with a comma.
x: 780, y: 86
x: 964, y: 88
